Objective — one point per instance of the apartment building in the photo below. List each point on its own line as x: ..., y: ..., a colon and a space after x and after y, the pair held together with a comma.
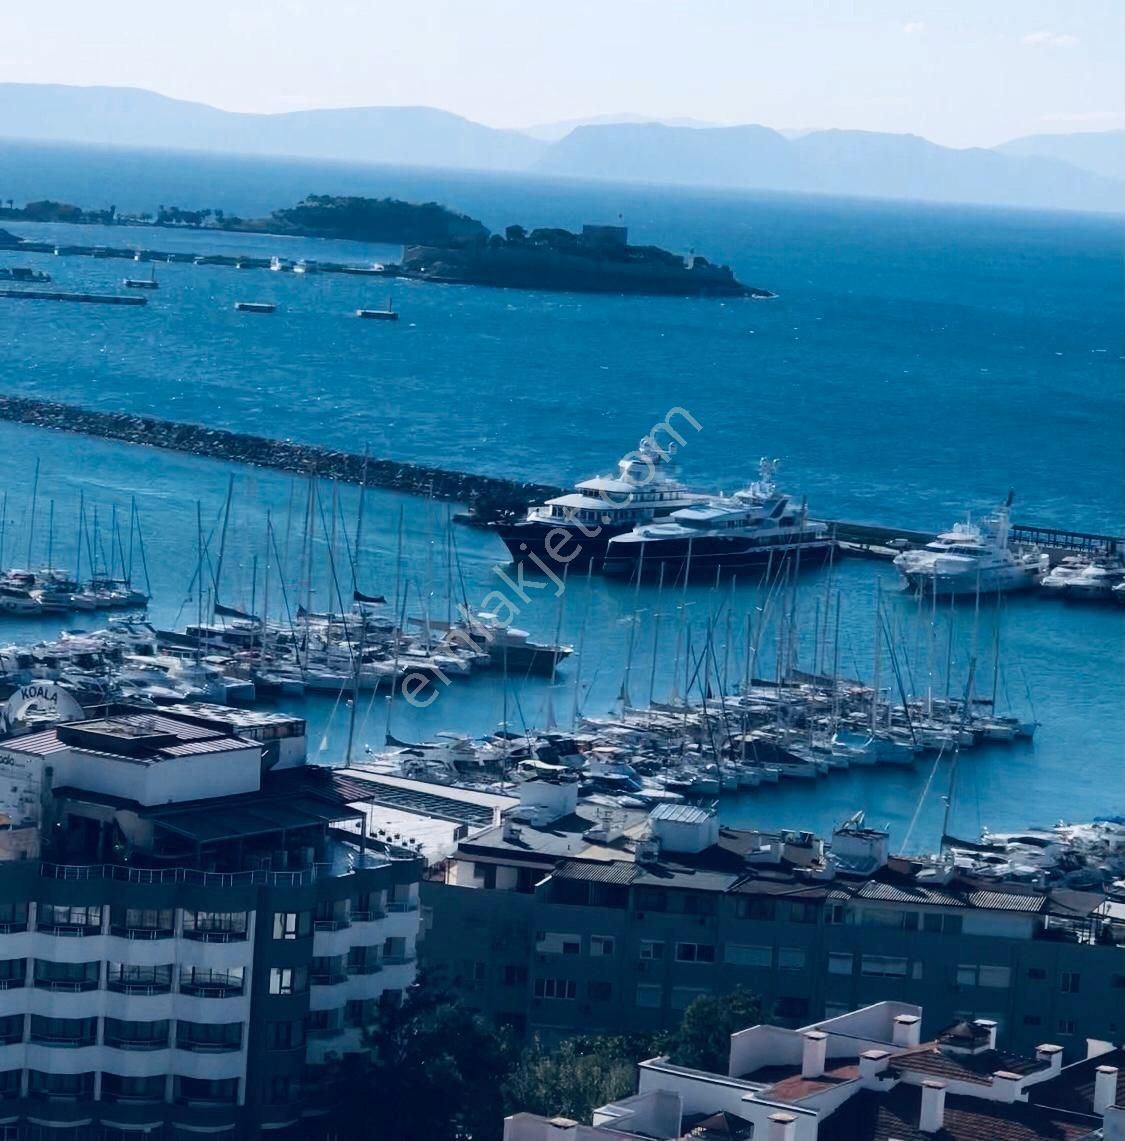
x: 861, y: 1076
x: 564, y: 921
x: 193, y: 930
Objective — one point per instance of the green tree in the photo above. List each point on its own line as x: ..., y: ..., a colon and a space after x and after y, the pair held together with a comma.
x: 702, y: 1041
x: 435, y: 1071
x: 576, y: 1077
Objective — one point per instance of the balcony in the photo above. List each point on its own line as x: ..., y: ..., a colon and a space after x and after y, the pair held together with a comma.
x: 368, y: 916
x: 136, y: 1043
x: 372, y: 968
x: 207, y: 1047
x: 341, y: 924
x: 328, y: 978
x: 69, y: 1042
x: 13, y: 928
x: 68, y: 930
x: 71, y: 985
x: 399, y: 960
x: 398, y: 906
x: 139, y: 988
x: 216, y: 936
x: 12, y: 984
x: 212, y: 990
x: 142, y: 932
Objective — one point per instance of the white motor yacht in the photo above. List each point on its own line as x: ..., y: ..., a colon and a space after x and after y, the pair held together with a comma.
x: 973, y: 558
x: 1080, y: 576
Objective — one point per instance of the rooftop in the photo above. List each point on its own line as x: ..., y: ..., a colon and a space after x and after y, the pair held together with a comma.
x: 1073, y: 1089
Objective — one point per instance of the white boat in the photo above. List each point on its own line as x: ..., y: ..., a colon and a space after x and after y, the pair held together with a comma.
x: 973, y: 558
x: 1080, y: 576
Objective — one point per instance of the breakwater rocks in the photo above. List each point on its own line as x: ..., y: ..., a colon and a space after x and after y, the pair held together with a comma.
x: 488, y: 495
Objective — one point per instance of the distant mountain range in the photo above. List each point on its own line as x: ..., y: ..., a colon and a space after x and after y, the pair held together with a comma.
x: 1066, y: 171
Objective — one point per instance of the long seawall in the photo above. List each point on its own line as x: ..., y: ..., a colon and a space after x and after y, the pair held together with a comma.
x: 261, y: 451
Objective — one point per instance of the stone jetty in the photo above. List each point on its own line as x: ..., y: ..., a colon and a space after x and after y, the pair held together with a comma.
x: 490, y: 493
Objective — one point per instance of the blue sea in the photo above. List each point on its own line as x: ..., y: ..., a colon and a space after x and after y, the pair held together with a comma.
x: 918, y: 363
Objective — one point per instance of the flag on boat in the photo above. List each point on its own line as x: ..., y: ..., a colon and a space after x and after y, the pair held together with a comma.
x: 359, y: 596
x: 231, y: 612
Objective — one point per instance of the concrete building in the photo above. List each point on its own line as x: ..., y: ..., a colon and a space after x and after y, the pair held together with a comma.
x: 860, y: 1076
x: 562, y: 919
x: 191, y: 939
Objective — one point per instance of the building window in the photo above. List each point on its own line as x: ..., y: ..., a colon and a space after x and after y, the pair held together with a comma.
x: 1066, y: 1026
x: 598, y: 990
x: 994, y: 976
x: 326, y: 970
x: 486, y: 873
x: 118, y: 1087
x: 64, y: 1031
x: 128, y: 979
x: 209, y: 1037
x: 142, y: 923
x: 935, y: 923
x: 515, y: 974
x: 695, y: 952
x: 840, y: 963
x: 756, y: 907
x: 696, y: 903
x: 801, y: 911
x: 1071, y: 982
x: 11, y: 1029
x: 13, y: 917
x: 359, y: 1012
x: 321, y: 1023
x: 883, y: 966
x: 748, y: 955
x: 59, y: 919
x: 652, y: 899
x: 50, y: 975
x: 683, y: 996
x: 13, y: 973
x: 791, y: 1008
x: 289, y: 1035
x: 123, y: 1035
x: 601, y: 946
x: 288, y: 980
x: 292, y: 924
x: 222, y: 1091
x: 791, y: 958
x: 205, y: 982
x: 215, y: 926
x: 76, y: 1086
x: 651, y: 949
x: 556, y: 988
x: 281, y: 1090
x: 649, y: 996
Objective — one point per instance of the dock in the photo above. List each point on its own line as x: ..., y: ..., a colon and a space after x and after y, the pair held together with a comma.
x: 83, y: 298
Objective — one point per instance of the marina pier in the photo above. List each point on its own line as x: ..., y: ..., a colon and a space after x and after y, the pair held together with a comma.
x: 870, y: 540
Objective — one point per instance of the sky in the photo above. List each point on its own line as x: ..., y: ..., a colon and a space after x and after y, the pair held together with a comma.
x: 962, y: 72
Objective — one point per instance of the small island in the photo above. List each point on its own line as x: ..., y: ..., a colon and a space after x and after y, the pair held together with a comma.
x: 439, y: 245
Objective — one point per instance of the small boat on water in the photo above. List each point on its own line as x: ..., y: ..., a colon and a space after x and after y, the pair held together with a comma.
x: 22, y: 273
x: 149, y: 282
x: 255, y: 306
x: 974, y: 558
x: 1084, y: 577
x: 388, y: 314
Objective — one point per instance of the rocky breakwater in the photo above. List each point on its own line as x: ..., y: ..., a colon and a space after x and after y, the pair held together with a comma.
x: 487, y: 494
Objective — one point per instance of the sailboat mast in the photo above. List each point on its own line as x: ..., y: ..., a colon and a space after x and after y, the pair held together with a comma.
x: 34, y: 499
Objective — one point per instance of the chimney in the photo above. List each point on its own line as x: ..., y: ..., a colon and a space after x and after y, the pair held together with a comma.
x: 990, y: 1026
x: 907, y: 1031
x: 1007, y: 1086
x: 873, y: 1062
x: 783, y: 1127
x: 1051, y: 1054
x: 932, y: 1117
x: 812, y: 1057
x: 1105, y: 1089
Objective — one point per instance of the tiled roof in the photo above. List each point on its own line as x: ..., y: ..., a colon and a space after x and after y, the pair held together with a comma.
x: 39, y: 743
x: 910, y: 893
x: 786, y: 1084
x: 1073, y: 1089
x: 214, y: 745
x: 976, y: 1068
x: 1008, y: 900
x: 871, y: 1116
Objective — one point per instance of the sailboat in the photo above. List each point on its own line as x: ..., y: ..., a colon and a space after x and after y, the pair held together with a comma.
x: 388, y: 314
x: 149, y: 282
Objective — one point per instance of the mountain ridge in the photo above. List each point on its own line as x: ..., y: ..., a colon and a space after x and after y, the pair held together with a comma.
x: 1045, y: 171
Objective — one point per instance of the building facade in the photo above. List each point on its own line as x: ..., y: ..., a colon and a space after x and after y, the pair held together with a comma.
x: 199, y: 958
x: 561, y: 927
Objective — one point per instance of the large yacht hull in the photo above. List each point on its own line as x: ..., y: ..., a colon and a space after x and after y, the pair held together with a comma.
x: 671, y: 559
x: 528, y: 541
x: 998, y: 580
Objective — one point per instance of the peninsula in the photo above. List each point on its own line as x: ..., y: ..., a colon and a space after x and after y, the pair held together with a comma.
x: 439, y: 245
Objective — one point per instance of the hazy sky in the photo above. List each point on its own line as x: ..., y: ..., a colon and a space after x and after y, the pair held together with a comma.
x: 961, y: 72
